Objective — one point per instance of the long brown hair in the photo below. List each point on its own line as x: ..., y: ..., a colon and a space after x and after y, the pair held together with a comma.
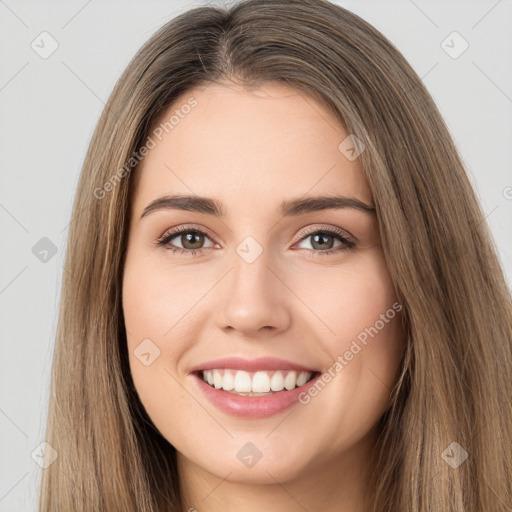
x: 455, y: 384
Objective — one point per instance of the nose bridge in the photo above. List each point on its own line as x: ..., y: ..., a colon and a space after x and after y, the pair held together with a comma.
x: 255, y: 297
x: 251, y: 273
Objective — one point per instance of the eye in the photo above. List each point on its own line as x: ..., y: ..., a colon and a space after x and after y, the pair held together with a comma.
x: 323, y: 239
x: 192, y: 239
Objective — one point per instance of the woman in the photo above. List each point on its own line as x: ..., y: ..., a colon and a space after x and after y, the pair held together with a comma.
x: 246, y: 370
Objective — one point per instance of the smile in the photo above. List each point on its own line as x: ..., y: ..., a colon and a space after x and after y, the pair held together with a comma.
x: 259, y: 383
x: 252, y: 392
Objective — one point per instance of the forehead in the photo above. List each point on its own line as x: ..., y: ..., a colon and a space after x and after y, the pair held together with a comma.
x: 249, y: 147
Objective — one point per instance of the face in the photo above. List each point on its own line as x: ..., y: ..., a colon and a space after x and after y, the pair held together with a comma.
x: 293, y: 293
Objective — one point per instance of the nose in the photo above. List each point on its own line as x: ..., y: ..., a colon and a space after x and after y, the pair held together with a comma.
x: 253, y: 299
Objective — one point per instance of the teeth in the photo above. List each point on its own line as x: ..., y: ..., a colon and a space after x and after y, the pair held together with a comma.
x: 217, y: 380
x: 228, y: 381
x: 242, y: 381
x: 260, y: 382
x: 277, y: 382
x: 302, y: 378
x: 257, y: 383
x: 290, y: 380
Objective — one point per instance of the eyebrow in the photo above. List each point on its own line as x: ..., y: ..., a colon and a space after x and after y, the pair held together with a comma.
x: 290, y: 208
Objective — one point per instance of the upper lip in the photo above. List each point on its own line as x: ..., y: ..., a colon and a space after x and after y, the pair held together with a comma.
x: 251, y: 365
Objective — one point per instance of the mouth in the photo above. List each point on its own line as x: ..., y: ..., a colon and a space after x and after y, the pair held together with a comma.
x: 258, y: 383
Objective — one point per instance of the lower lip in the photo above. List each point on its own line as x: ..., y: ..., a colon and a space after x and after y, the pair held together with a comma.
x: 252, y: 406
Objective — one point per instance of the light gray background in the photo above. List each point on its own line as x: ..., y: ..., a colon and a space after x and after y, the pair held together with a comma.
x: 49, y: 108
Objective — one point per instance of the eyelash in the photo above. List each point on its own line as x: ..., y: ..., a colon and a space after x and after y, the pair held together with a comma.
x: 167, y: 237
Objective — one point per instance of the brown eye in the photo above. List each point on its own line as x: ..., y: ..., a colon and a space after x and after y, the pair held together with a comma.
x: 191, y: 240
x: 322, y: 241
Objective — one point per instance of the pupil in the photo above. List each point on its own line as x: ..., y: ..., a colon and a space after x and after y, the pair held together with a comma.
x: 315, y: 237
x: 189, y: 238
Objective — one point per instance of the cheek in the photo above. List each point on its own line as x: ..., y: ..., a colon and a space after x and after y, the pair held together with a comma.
x: 154, y: 309
x: 158, y: 301
x: 352, y: 301
x: 363, y: 344
x: 162, y: 307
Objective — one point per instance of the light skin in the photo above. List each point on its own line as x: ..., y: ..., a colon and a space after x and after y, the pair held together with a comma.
x: 252, y: 150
